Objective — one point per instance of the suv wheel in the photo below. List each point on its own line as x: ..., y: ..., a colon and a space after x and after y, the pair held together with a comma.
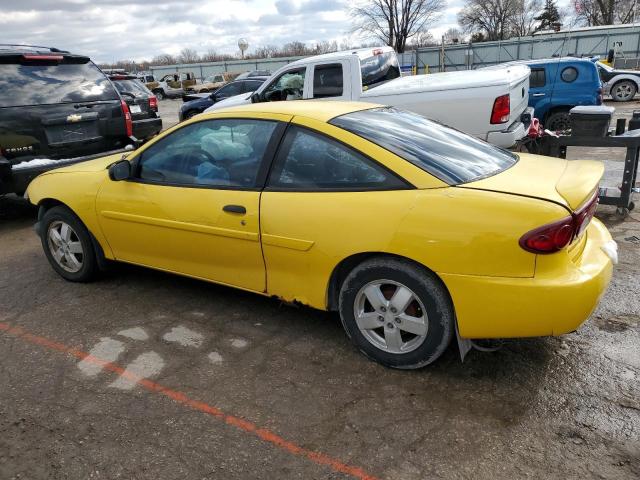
x: 623, y: 91
x: 396, y: 312
x: 67, y: 245
x: 558, y: 122
x: 159, y: 93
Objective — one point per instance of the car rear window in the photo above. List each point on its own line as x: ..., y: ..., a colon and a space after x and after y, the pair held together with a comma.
x: 131, y: 86
x: 378, y: 69
x: 46, y: 83
x: 448, y: 154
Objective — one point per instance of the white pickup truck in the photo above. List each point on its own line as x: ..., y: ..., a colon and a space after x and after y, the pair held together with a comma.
x: 489, y: 104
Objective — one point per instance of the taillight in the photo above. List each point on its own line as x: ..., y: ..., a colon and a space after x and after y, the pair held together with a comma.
x: 501, y: 109
x: 51, y: 58
x: 599, y: 101
x: 127, y: 118
x: 153, y: 103
x: 555, y: 236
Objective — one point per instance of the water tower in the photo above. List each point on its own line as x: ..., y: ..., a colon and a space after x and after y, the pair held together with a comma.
x: 243, y: 45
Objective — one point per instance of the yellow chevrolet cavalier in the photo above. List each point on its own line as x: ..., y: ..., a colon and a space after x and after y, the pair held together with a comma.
x: 407, y: 228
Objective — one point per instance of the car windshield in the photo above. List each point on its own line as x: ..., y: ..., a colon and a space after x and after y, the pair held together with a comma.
x: 379, y: 68
x: 43, y: 83
x: 448, y: 154
x: 133, y: 87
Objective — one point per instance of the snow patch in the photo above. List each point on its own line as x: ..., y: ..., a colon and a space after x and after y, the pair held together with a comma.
x: 37, y: 162
x: 135, y: 333
x: 184, y: 336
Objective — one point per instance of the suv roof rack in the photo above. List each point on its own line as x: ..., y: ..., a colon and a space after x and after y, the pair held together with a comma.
x: 15, y: 46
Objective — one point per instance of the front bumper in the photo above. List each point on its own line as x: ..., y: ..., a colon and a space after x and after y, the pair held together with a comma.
x: 557, y: 300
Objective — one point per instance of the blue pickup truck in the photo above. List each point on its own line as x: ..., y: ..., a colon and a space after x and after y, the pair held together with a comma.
x: 557, y: 85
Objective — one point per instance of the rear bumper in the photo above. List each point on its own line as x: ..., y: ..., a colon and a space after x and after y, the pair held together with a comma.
x: 147, y: 128
x: 557, y: 300
x: 515, y: 133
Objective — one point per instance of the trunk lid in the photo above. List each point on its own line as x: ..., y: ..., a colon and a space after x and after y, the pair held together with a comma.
x: 570, y: 183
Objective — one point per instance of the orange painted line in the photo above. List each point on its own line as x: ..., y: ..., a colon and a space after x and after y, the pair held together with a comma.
x: 181, y: 398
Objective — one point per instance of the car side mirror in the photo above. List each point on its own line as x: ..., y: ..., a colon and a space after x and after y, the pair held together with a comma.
x: 213, y: 96
x: 121, y: 170
x: 256, y: 98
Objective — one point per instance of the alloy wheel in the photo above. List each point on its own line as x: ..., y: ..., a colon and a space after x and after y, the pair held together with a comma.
x: 623, y: 91
x: 65, y: 246
x: 391, y: 316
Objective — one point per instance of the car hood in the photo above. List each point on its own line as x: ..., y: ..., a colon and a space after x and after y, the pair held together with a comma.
x: 241, y: 99
x: 567, y: 182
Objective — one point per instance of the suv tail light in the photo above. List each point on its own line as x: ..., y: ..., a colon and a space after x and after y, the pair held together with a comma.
x: 501, y: 110
x: 555, y: 236
x: 52, y: 58
x: 153, y: 103
x: 127, y: 118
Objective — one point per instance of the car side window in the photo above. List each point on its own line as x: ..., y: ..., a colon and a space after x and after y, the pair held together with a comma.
x: 327, y: 81
x: 569, y: 74
x: 229, y: 90
x: 223, y: 153
x: 310, y: 161
x: 288, y: 86
x: 538, y: 78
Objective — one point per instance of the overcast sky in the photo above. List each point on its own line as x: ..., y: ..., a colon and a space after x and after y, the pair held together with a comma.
x: 109, y: 30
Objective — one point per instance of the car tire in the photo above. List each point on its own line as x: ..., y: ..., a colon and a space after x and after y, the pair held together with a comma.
x: 67, y: 245
x: 623, y: 91
x: 159, y: 93
x: 558, y: 122
x: 413, y: 321
x: 190, y: 114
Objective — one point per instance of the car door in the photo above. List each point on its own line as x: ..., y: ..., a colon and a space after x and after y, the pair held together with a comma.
x: 323, y: 201
x: 539, y: 91
x: 228, y: 90
x: 192, y: 203
x: 329, y: 81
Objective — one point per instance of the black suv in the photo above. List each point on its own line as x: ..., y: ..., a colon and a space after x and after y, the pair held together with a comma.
x: 143, y: 105
x: 54, y: 105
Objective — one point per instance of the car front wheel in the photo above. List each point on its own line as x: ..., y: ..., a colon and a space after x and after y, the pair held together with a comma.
x: 623, y: 91
x: 396, y: 312
x: 67, y: 245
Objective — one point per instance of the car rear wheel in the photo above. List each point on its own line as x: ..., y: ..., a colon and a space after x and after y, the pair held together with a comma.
x: 623, y: 91
x: 67, y: 245
x: 558, y: 122
x: 396, y: 312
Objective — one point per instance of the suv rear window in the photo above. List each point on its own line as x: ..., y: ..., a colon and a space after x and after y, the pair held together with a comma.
x: 131, y: 86
x: 378, y: 69
x: 46, y: 83
x: 448, y: 154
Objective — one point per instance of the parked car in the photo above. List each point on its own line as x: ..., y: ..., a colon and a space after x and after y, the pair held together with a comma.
x: 489, y: 104
x: 172, y: 85
x: 211, y: 83
x: 404, y: 226
x: 622, y: 85
x: 54, y: 105
x: 197, y: 103
x: 254, y: 73
x: 143, y: 106
x: 557, y: 85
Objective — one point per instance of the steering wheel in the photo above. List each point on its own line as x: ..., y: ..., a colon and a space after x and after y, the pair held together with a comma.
x: 194, y: 157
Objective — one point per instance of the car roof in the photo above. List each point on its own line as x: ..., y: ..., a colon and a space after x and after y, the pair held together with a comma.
x: 362, y: 53
x: 15, y: 50
x: 321, y: 110
x: 550, y: 60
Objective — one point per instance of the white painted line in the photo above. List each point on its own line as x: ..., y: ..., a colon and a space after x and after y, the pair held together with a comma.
x: 215, y: 357
x: 184, y: 336
x: 135, y: 333
x: 145, y: 365
x: 106, y: 349
x: 239, y: 343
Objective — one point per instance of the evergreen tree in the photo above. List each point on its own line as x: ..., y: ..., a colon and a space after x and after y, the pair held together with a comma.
x: 550, y: 17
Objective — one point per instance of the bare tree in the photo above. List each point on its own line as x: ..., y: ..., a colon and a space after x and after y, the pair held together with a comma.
x: 188, y: 55
x: 164, y: 59
x: 453, y: 35
x: 396, y: 21
x: 295, y: 49
x: 605, y: 12
x: 524, y: 20
x: 423, y: 39
x: 492, y: 17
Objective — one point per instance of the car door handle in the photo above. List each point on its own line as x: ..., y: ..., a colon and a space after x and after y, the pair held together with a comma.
x: 539, y: 94
x: 235, y: 209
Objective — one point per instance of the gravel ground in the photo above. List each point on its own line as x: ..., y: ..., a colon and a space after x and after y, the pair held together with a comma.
x: 244, y: 387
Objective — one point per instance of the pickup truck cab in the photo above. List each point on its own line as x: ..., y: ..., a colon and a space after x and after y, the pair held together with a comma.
x: 557, y: 85
x: 172, y: 85
x: 487, y: 104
